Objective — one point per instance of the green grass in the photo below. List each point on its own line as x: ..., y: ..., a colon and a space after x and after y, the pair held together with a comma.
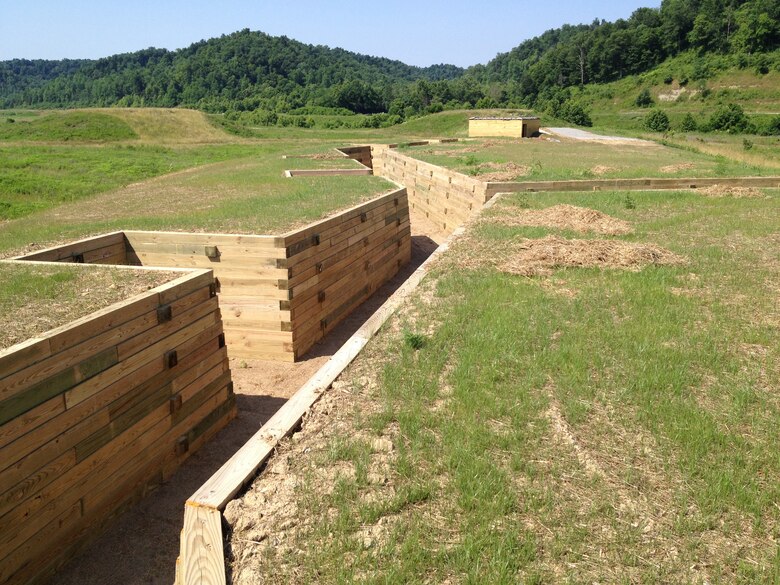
x: 665, y: 382
x: 19, y: 284
x: 65, y: 127
x: 244, y: 193
x: 548, y: 160
x: 34, y: 178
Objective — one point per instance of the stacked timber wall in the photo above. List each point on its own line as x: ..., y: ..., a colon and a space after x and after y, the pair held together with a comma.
x: 362, y: 154
x: 334, y: 265
x: 105, y: 249
x: 445, y: 197
x: 278, y: 294
x: 251, y: 275
x: 94, y: 413
x: 632, y: 184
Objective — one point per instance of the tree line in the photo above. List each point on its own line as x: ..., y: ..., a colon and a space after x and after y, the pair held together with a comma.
x: 268, y: 76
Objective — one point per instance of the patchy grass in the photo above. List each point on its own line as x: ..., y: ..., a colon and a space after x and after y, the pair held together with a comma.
x: 589, y: 426
x: 78, y: 126
x: 35, y: 178
x: 551, y: 160
x: 37, y: 298
x: 246, y: 194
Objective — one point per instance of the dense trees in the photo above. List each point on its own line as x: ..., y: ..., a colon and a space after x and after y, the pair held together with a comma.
x: 605, y: 51
x: 242, y: 71
x: 270, y: 76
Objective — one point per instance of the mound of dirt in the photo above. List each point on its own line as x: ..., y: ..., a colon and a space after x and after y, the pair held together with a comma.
x: 568, y: 217
x: 540, y: 257
x: 727, y: 191
x: 501, y: 172
x: 677, y: 168
x: 324, y: 156
x: 600, y: 170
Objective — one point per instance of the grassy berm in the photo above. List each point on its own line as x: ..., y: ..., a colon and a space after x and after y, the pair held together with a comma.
x: 555, y: 406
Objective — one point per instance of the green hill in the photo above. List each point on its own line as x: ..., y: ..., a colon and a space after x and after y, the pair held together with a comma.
x: 693, y: 47
x: 242, y: 71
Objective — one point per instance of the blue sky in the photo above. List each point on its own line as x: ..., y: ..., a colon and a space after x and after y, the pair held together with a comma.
x: 416, y: 32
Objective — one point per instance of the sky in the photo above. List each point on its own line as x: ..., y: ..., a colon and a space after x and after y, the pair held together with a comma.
x: 417, y: 32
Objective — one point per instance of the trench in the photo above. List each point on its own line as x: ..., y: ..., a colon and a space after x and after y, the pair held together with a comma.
x: 142, y: 540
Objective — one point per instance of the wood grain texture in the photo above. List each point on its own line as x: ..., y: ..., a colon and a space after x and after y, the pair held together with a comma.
x: 202, y: 558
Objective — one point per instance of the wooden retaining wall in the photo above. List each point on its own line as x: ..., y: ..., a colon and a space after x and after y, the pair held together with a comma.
x: 250, y: 273
x: 362, y: 154
x: 446, y: 197
x: 105, y: 249
x: 334, y: 265
x: 95, y: 413
x: 632, y: 184
x: 279, y: 295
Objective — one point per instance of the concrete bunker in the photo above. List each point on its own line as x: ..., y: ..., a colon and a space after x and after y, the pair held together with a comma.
x: 512, y: 127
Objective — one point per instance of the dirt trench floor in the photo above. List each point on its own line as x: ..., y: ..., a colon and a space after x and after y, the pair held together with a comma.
x: 140, y: 546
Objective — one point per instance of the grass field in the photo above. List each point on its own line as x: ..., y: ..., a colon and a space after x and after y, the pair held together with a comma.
x: 587, y: 425
x: 205, y: 180
x: 593, y: 425
x: 552, y: 160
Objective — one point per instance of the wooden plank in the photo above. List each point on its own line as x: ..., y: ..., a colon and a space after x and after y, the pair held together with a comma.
x: 21, y: 355
x: 35, y: 395
x: 358, y: 250
x: 30, y: 420
x: 66, y: 251
x: 202, y: 557
x: 35, y: 512
x: 333, y: 285
x: 135, y: 375
x: 205, y: 239
x: 347, y: 227
x: 13, y: 476
x: 148, y: 361
x: 327, y: 172
x: 23, y: 560
x: 99, y: 255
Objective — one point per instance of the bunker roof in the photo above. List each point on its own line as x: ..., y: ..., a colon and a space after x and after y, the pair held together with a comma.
x: 504, y: 118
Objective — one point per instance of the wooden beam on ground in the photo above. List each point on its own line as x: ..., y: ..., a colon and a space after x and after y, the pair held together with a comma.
x: 202, y: 560
x: 241, y: 468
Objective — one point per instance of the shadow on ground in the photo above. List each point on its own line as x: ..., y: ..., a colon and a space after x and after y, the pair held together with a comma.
x: 141, y: 545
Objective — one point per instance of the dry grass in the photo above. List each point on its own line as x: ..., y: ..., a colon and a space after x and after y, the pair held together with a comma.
x: 35, y: 299
x: 539, y: 257
x: 600, y: 170
x: 566, y: 217
x: 670, y: 169
x: 169, y: 126
x: 501, y: 171
x: 734, y: 192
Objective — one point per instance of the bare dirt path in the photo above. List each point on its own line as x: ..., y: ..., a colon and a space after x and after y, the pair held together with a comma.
x: 140, y: 547
x: 578, y: 134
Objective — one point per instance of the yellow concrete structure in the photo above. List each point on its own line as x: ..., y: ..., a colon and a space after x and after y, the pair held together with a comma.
x: 514, y: 127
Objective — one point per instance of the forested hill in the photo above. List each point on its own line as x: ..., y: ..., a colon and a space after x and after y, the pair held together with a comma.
x: 607, y: 51
x: 244, y: 71
x: 254, y: 72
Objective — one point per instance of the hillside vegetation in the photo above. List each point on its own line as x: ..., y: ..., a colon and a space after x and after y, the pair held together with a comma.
x: 260, y: 80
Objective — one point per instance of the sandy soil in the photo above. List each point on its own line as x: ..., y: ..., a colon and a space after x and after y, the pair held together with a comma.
x: 141, y: 546
x: 578, y: 134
